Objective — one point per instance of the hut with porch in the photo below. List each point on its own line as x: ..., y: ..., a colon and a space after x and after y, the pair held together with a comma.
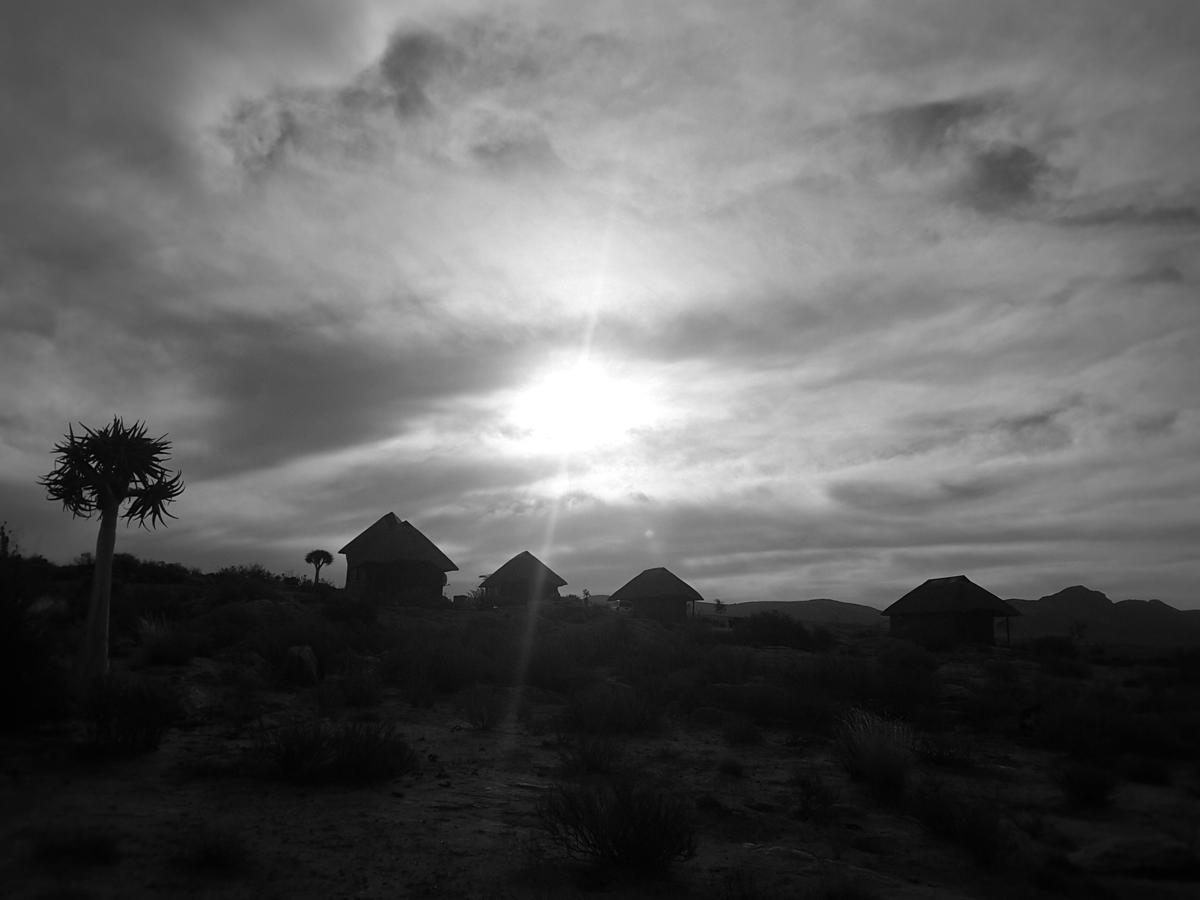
x: 393, y: 562
x: 948, y: 611
x: 522, y: 581
x: 657, y: 594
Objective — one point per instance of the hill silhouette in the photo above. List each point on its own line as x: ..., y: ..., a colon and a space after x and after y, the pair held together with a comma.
x: 1078, y: 610
x: 819, y: 611
x: 1094, y: 617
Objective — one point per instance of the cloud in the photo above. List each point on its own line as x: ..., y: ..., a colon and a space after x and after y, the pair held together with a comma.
x: 906, y: 290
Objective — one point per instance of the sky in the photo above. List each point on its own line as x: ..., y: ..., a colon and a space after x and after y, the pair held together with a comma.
x: 797, y: 299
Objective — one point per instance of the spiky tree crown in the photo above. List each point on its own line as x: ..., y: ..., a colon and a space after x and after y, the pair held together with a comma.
x: 114, y: 464
x: 324, y: 557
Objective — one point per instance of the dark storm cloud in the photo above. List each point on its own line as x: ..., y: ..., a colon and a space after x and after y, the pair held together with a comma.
x: 1148, y: 216
x: 287, y: 390
x: 920, y: 130
x: 1004, y: 176
x: 906, y: 500
x: 410, y: 61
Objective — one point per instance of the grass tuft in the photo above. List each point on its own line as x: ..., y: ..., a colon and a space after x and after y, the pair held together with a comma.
x: 318, y: 752
x: 622, y: 822
x: 876, y: 750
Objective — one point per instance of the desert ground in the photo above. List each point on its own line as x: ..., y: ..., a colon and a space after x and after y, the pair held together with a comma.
x: 259, y: 742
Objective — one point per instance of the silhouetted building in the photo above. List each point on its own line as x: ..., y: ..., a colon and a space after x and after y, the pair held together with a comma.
x: 947, y: 611
x: 393, y: 562
x: 522, y: 580
x: 657, y: 594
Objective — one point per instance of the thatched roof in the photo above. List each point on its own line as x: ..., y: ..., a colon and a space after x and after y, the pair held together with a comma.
x: 654, y: 583
x: 391, y: 540
x: 956, y: 594
x: 524, y: 567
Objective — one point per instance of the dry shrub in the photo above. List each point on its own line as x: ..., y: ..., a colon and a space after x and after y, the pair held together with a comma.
x: 166, y: 643
x: 482, y: 706
x: 946, y: 751
x: 815, y: 798
x: 33, y: 686
x: 876, y: 750
x: 611, y: 709
x: 317, y: 752
x: 591, y: 756
x: 130, y: 715
x: 622, y: 822
x: 968, y: 818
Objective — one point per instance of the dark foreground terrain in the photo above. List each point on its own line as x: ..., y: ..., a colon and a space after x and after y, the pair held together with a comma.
x: 263, y: 743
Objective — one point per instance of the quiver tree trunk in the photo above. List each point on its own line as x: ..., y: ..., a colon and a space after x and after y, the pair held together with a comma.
x: 95, y: 640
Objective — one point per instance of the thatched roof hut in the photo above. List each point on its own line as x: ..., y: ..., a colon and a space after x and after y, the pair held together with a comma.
x: 946, y: 611
x: 524, y: 579
x: 657, y: 594
x: 392, y: 560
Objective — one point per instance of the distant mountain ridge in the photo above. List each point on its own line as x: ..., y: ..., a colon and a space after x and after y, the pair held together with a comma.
x: 819, y: 611
x: 1093, y: 617
x: 1077, y: 610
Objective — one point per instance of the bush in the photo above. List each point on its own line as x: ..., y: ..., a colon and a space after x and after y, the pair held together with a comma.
x: 815, y: 799
x: 773, y: 629
x: 482, y: 706
x: 360, y: 685
x: 969, y: 819
x: 622, y: 822
x: 590, y: 756
x: 875, y: 750
x: 1086, y: 786
x: 316, y: 752
x: 946, y: 751
x: 166, y: 643
x: 1053, y: 646
x: 611, y: 709
x: 33, y: 685
x: 130, y: 715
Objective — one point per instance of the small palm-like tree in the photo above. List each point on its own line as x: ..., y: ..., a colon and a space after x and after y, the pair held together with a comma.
x: 318, y: 559
x: 99, y: 472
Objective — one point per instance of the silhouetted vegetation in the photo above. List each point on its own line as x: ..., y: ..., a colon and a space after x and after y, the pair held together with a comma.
x: 621, y: 822
x: 878, y: 751
x: 99, y: 472
x: 319, y: 752
x: 129, y: 714
x: 318, y: 682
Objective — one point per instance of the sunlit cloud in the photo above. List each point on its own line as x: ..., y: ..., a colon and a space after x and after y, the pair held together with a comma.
x: 796, y: 299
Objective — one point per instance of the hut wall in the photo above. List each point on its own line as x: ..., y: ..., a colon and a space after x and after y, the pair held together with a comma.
x: 945, y: 628
x: 664, y: 609
x: 520, y: 592
x: 404, y: 582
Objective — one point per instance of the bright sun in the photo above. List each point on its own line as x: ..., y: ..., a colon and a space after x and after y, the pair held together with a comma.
x: 578, y: 407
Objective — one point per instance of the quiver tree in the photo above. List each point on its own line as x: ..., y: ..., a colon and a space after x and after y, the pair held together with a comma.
x: 318, y: 559
x: 101, y: 472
